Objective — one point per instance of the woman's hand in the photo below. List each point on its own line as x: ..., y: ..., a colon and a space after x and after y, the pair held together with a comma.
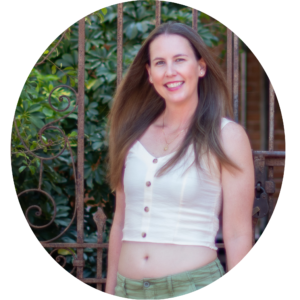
x: 238, y: 194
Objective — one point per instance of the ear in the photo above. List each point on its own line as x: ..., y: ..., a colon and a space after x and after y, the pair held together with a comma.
x: 202, y: 67
x: 149, y: 73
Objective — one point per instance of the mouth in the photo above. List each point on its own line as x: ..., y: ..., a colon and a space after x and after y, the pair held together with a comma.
x: 172, y: 85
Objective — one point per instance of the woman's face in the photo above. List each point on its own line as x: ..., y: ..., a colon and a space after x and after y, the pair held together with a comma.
x: 174, y: 69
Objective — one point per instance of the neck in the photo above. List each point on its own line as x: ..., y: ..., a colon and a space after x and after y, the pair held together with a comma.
x: 179, y: 115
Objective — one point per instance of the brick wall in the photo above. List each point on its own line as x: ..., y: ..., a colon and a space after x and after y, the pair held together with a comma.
x: 257, y: 115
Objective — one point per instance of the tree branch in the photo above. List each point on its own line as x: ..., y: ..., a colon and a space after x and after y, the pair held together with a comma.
x: 45, y: 57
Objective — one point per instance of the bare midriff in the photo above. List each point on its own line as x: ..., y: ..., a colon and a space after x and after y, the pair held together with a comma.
x: 140, y: 260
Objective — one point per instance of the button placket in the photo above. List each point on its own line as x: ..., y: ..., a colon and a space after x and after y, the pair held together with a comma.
x: 151, y: 170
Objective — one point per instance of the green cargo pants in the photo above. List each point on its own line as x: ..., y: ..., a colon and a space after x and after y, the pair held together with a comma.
x: 169, y: 286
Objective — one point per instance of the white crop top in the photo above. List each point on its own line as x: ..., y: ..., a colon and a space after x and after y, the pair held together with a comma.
x: 179, y: 207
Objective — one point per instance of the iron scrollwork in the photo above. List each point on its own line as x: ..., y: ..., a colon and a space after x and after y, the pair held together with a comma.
x: 65, y: 145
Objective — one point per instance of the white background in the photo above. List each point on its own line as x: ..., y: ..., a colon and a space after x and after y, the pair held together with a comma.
x: 270, y: 29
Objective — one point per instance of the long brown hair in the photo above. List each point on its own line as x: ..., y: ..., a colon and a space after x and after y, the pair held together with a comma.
x: 137, y: 104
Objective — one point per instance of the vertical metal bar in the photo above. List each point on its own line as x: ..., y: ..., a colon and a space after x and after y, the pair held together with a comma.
x: 195, y: 19
x: 236, y: 78
x: 41, y: 174
x: 243, y: 89
x: 100, y: 219
x: 271, y: 117
x: 229, y: 61
x: 120, y: 43
x: 80, y: 147
x: 271, y: 142
x: 157, y: 13
x: 259, y: 168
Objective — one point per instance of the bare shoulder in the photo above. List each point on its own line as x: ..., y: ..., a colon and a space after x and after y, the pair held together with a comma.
x: 233, y: 131
x: 235, y: 143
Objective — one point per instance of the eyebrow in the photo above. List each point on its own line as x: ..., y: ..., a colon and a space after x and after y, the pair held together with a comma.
x: 161, y: 58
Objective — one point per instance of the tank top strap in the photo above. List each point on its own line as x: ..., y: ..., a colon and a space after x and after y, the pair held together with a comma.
x: 224, y: 122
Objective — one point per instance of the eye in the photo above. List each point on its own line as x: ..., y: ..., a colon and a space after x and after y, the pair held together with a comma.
x: 160, y: 62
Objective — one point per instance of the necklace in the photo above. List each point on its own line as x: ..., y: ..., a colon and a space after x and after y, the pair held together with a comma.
x: 167, y: 146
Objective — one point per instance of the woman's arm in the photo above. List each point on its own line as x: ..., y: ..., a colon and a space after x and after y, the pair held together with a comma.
x: 115, y: 242
x: 238, y: 194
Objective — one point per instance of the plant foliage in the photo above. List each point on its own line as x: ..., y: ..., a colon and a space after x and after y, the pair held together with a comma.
x: 34, y: 111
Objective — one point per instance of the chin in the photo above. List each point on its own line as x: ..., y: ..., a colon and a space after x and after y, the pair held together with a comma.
x: 177, y: 100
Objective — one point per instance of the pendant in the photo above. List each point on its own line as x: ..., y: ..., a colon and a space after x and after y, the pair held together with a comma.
x: 166, y: 148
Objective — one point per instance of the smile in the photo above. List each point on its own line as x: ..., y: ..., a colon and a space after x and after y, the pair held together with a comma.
x: 174, y: 84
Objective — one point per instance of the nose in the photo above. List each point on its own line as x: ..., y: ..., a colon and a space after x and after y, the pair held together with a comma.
x: 170, y: 71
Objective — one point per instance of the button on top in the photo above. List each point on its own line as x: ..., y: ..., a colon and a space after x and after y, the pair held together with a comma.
x: 154, y: 160
x: 144, y: 234
x: 148, y: 183
x: 146, y: 284
x: 146, y: 209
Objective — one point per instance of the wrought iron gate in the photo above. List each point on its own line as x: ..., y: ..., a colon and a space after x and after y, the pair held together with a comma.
x: 265, y: 188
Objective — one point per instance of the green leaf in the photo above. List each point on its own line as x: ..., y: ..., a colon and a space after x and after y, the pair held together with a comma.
x: 59, y: 191
x: 32, y: 170
x: 53, y: 69
x: 142, y: 26
x: 63, y: 208
x: 97, y: 83
x: 61, y: 200
x: 34, y: 107
x: 72, y: 116
x: 68, y: 58
x: 98, y: 177
x: 96, y: 145
x: 73, y: 133
x: 21, y: 169
x: 90, y: 83
x: 37, y: 122
x: 63, y: 222
x: 33, y: 145
x: 37, y: 114
x: 93, y: 111
x: 93, y: 105
x: 64, y: 79
x: 131, y: 31
x: 65, y: 252
x: 104, y: 11
x: 101, y: 17
x: 60, y: 215
x: 87, y: 173
x: 106, y: 98
x: 72, y: 81
x: 89, y: 182
x: 87, y: 19
x: 111, y: 77
x: 48, y: 112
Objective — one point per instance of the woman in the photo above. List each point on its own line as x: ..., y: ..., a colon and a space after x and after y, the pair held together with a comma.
x: 175, y: 161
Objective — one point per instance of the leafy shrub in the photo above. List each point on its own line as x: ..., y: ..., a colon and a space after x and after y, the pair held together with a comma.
x: 34, y: 111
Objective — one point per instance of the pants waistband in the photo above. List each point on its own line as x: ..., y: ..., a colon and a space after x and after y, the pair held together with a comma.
x: 200, y: 273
